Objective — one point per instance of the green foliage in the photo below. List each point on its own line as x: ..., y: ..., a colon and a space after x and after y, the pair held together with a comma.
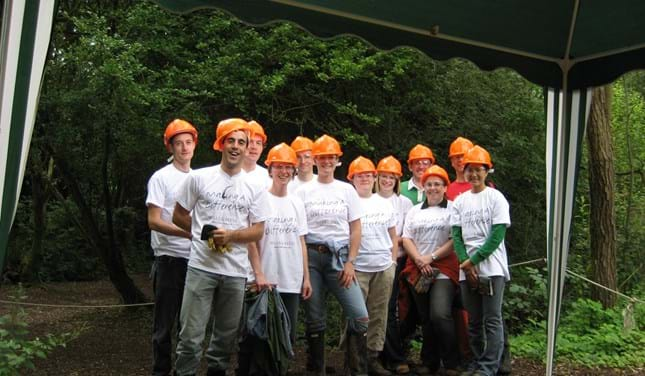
x: 588, y: 335
x: 524, y: 298
x: 19, y: 350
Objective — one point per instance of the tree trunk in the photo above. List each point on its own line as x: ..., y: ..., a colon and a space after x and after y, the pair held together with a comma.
x: 601, y: 189
x: 109, y: 253
x: 30, y: 260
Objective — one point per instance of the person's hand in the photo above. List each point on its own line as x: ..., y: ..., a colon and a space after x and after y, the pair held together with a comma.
x: 306, y: 289
x: 261, y: 282
x: 426, y: 270
x: 222, y: 236
x: 347, y: 276
x: 472, y: 277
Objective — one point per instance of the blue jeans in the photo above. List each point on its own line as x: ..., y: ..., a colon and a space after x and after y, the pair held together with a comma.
x: 226, y: 297
x: 169, y: 276
x: 325, y: 278
x: 485, y: 329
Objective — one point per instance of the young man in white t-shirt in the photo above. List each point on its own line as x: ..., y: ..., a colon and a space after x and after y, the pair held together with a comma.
x: 171, y: 244
x: 257, y: 142
x: 305, y: 168
x: 222, y: 197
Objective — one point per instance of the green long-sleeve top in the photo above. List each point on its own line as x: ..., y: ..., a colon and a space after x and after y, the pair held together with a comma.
x: 496, y: 237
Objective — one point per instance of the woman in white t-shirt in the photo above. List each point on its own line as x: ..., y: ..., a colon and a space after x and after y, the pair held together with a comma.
x: 334, y: 220
x: 376, y: 260
x: 388, y: 186
x: 479, y: 218
x: 283, y: 252
x: 432, y: 272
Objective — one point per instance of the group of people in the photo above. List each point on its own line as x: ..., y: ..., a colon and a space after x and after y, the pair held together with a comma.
x: 393, y: 253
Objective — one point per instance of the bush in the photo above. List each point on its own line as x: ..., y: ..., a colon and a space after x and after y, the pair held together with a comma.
x: 589, y: 335
x: 17, y: 350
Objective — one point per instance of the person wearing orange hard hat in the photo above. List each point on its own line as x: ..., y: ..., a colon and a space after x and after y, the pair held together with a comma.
x: 376, y: 261
x: 420, y: 158
x: 305, y: 169
x: 458, y: 148
x: 257, y: 142
x: 283, y: 252
x: 432, y: 273
x: 170, y: 243
x: 479, y: 218
x: 334, y: 216
x: 224, y: 212
x: 388, y: 185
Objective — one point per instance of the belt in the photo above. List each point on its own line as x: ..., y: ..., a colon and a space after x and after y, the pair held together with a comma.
x: 320, y: 248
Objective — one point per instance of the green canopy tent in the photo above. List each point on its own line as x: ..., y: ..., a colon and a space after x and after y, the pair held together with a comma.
x: 567, y: 46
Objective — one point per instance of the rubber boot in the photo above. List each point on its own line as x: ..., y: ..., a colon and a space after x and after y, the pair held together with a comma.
x: 356, y: 355
x: 316, y: 354
x: 374, y: 366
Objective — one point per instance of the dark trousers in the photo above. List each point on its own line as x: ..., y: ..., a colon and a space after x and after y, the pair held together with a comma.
x: 291, y: 302
x: 393, y: 352
x: 439, y: 336
x: 169, y: 277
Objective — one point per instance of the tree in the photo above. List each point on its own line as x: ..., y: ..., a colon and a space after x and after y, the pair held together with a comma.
x: 601, y: 190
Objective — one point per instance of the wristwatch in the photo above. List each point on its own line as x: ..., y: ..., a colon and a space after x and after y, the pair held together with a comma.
x: 352, y: 260
x: 434, y: 257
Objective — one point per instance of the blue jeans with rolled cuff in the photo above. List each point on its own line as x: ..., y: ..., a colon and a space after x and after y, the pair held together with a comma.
x: 485, y: 328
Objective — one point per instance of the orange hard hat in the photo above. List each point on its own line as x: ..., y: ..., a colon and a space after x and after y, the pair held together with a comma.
x: 459, y: 147
x: 420, y: 152
x: 226, y: 127
x: 360, y: 165
x: 435, y: 170
x: 257, y: 130
x: 176, y: 127
x: 477, y: 154
x: 281, y: 153
x: 391, y: 165
x: 326, y: 145
x: 301, y: 143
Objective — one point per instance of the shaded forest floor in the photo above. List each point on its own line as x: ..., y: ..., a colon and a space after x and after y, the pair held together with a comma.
x: 116, y: 341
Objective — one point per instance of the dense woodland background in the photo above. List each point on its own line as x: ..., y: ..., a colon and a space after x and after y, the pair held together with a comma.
x: 119, y: 71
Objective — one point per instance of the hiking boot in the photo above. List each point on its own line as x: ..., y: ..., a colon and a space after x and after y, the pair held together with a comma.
x: 401, y: 369
x: 356, y: 355
x: 374, y: 366
x: 316, y: 354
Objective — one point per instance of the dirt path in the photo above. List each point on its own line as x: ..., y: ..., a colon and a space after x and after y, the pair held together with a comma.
x: 116, y: 341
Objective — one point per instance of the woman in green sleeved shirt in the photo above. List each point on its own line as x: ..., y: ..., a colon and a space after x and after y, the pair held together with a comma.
x: 479, y: 219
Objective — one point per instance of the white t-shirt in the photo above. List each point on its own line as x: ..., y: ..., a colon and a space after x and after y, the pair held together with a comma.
x: 296, y: 183
x: 261, y: 176
x: 402, y: 206
x: 375, y: 252
x: 329, y: 207
x: 229, y: 202
x: 476, y: 213
x: 428, y: 228
x: 280, y: 247
x: 162, y: 193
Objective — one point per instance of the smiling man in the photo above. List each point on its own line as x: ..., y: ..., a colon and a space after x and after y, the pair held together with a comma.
x: 221, y: 196
x: 419, y: 159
